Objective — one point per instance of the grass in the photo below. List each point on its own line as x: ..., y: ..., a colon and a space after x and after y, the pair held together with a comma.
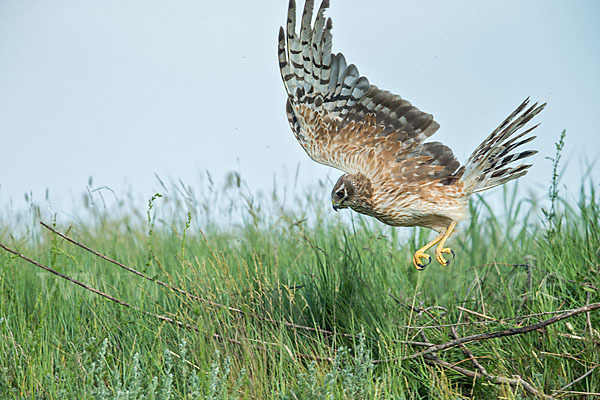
x: 293, y: 261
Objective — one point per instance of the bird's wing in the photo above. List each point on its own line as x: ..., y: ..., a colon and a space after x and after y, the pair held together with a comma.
x: 343, y: 121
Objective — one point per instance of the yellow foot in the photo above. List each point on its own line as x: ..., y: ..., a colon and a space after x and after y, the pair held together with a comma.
x: 440, y: 258
x: 417, y: 260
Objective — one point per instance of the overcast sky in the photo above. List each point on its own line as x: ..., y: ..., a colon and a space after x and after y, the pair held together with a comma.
x: 121, y: 90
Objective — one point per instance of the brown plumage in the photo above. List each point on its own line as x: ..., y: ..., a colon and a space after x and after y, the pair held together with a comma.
x: 378, y: 139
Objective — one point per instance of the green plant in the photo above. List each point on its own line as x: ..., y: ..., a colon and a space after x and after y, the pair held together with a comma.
x: 552, y: 219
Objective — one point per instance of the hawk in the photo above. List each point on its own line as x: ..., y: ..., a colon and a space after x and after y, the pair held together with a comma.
x: 379, y: 139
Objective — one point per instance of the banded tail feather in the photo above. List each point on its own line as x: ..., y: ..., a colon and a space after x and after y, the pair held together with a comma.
x: 490, y: 163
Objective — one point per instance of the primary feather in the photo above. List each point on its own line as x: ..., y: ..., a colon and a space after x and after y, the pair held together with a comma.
x: 325, y: 94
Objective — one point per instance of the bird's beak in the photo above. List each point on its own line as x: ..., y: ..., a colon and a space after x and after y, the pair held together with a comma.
x: 335, y: 205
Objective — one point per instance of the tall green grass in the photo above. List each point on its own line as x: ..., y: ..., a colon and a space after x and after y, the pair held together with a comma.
x: 293, y: 261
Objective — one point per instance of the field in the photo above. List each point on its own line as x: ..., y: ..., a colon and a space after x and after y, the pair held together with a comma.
x: 265, y: 297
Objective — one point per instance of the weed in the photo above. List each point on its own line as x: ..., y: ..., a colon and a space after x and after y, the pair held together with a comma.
x: 151, y: 220
x: 553, y: 192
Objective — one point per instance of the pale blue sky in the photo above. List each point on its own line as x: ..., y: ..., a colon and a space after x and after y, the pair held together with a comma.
x: 121, y: 90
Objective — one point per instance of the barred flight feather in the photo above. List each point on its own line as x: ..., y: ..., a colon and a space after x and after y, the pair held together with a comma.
x: 324, y: 82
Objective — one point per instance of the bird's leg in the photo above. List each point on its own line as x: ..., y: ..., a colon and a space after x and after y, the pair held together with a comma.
x: 440, y: 249
x: 421, y: 253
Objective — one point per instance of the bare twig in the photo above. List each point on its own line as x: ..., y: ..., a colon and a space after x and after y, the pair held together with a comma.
x: 495, y: 264
x: 582, y: 377
x: 83, y: 285
x: 476, y: 313
x: 98, y: 292
x: 499, y: 321
x: 579, y: 394
x: 515, y: 381
x: 133, y: 271
x: 463, y: 347
x: 470, y: 355
x: 186, y: 361
x: 471, y: 286
x: 579, y: 361
x: 588, y: 317
x: 504, y: 332
x: 571, y: 336
x: 529, y: 285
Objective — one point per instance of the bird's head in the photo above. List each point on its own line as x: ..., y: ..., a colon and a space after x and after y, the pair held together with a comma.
x: 351, y: 191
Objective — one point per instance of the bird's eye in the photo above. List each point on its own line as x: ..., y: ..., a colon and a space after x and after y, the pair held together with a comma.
x: 340, y: 194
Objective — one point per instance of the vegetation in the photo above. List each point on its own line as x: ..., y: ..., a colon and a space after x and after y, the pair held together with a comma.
x: 285, y: 300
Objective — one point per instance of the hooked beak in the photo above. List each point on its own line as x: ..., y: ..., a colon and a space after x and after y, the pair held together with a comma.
x: 335, y: 205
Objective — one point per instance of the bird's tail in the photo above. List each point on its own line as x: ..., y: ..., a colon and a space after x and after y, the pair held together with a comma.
x: 489, y: 165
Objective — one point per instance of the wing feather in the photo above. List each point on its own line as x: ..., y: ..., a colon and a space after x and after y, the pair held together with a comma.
x: 343, y: 121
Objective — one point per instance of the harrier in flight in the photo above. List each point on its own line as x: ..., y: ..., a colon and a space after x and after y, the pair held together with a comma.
x: 379, y: 139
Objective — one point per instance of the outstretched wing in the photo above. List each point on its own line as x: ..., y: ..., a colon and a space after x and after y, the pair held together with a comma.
x: 343, y: 121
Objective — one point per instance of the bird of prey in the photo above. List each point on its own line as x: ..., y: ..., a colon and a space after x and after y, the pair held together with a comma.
x: 379, y: 139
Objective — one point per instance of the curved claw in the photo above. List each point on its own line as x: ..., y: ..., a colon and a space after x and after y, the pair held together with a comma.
x: 422, y: 266
x: 453, y: 255
x: 438, y: 255
x: 417, y: 260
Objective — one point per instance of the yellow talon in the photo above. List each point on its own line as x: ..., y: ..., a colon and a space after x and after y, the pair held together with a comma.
x: 440, y: 249
x: 440, y: 240
x: 440, y: 258
x: 417, y: 260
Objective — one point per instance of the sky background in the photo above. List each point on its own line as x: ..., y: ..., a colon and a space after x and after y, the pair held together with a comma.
x: 123, y: 90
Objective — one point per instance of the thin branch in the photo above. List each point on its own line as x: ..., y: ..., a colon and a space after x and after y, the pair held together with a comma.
x: 582, y: 377
x: 471, y: 286
x: 98, y: 292
x: 463, y: 347
x: 498, y: 321
x: 83, y: 285
x: 133, y: 271
x: 588, y: 316
x: 580, y: 361
x: 476, y: 313
x: 515, y: 381
x: 504, y: 332
x: 470, y: 355
x: 186, y: 361
x: 495, y: 264
x: 579, y: 394
x: 571, y: 336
